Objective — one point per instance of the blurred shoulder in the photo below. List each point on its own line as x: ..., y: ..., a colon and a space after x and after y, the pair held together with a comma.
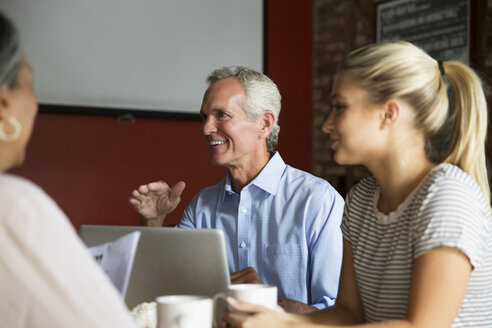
x: 19, y: 195
x: 12, y: 186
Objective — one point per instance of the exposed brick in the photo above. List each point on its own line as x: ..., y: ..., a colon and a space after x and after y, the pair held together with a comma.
x: 341, y: 26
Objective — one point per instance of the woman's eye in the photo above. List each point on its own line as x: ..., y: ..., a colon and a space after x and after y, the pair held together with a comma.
x: 337, y: 107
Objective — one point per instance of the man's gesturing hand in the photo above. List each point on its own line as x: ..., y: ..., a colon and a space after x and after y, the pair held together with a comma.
x: 153, y: 201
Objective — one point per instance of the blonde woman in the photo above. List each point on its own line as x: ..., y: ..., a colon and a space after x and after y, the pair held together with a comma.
x: 418, y: 233
x: 48, y: 278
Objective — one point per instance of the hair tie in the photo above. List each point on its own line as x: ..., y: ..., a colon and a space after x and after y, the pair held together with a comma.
x: 441, y: 67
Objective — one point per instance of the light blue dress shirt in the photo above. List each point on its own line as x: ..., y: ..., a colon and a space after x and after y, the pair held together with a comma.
x: 285, y: 224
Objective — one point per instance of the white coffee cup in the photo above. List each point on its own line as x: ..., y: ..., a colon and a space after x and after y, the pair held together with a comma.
x: 184, y: 311
x: 265, y: 295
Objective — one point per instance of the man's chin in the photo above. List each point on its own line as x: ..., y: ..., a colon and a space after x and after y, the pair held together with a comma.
x: 216, y: 161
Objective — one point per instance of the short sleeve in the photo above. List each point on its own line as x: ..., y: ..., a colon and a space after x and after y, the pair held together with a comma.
x: 345, y: 225
x: 453, y: 215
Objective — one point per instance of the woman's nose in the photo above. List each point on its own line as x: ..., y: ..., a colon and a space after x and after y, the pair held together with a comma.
x: 328, y: 125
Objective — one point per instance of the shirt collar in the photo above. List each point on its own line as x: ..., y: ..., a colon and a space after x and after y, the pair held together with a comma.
x: 268, y: 179
x: 226, y: 188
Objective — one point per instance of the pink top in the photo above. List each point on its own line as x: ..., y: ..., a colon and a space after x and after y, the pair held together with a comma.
x: 48, y: 278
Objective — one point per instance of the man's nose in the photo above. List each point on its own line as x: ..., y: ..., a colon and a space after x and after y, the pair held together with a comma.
x: 208, y: 126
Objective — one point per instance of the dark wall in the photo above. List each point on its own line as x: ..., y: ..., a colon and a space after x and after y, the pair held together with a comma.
x: 90, y: 163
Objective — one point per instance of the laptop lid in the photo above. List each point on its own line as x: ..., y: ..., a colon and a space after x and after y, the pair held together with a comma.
x: 169, y: 261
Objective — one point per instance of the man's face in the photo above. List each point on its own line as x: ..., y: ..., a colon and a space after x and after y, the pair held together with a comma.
x: 233, y: 139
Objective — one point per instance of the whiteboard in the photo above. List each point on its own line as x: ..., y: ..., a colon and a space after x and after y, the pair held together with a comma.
x: 150, y: 55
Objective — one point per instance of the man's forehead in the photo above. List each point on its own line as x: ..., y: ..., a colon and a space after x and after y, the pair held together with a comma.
x: 230, y: 83
x: 222, y: 92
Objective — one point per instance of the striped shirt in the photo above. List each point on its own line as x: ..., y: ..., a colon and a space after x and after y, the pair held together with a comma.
x: 446, y: 209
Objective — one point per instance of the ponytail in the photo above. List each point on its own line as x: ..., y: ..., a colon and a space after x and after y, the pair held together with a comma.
x: 455, y: 127
x: 469, y: 123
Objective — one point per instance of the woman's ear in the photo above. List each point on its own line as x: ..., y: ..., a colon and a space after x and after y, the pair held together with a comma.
x: 5, y: 105
x: 267, y: 120
x: 390, y: 113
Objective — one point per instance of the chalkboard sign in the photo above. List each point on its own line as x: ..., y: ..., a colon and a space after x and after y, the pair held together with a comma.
x: 440, y: 27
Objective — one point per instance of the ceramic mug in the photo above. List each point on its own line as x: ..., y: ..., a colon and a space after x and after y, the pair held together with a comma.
x: 184, y: 311
x: 265, y: 295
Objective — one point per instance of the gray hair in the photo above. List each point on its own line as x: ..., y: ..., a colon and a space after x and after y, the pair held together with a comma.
x: 261, y: 94
x: 10, y: 54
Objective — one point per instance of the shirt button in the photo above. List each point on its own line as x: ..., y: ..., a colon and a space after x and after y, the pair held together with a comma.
x: 243, y: 244
x: 244, y: 211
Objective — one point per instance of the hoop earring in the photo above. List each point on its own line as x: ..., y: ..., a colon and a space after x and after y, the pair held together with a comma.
x: 17, y: 130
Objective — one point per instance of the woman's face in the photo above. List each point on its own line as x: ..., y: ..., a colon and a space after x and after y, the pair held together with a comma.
x: 22, y: 105
x: 353, y: 123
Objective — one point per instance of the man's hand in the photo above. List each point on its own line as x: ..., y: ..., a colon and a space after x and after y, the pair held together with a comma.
x: 246, y: 276
x: 153, y: 201
x: 295, y: 306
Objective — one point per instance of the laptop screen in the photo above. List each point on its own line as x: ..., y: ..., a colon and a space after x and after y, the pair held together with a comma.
x: 169, y: 261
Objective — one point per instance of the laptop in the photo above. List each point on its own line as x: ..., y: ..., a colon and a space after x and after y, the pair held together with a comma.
x: 169, y: 261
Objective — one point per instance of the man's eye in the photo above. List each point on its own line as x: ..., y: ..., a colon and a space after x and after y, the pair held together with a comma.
x: 222, y: 115
x: 203, y: 117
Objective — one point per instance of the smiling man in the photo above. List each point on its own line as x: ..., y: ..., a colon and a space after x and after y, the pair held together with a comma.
x: 281, y: 225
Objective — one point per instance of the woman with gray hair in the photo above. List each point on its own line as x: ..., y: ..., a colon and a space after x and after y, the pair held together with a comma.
x: 49, y: 279
x: 418, y: 233
x: 281, y: 225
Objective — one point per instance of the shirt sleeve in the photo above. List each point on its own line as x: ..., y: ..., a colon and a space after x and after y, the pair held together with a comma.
x: 453, y: 217
x: 345, y: 226
x: 188, y: 220
x: 326, y: 250
x: 52, y: 279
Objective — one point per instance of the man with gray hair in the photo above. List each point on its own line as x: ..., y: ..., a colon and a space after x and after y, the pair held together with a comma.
x: 281, y: 225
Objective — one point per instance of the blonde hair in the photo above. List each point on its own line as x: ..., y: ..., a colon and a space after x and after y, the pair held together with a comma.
x: 455, y: 125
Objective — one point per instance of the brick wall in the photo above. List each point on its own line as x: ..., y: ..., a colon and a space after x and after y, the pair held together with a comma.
x: 344, y: 25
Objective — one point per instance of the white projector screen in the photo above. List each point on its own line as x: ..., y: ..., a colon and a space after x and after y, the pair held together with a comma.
x: 140, y: 55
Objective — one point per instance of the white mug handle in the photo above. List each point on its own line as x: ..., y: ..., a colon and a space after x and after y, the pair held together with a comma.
x: 217, y: 315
